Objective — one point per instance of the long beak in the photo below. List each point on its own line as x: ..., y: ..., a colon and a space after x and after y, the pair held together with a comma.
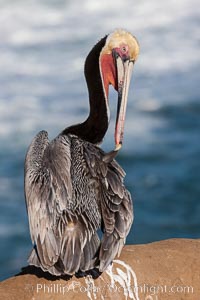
x: 124, y: 71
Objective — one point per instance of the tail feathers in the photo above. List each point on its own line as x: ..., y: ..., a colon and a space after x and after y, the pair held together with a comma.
x: 48, y: 250
x: 111, y: 246
x: 33, y: 258
x: 78, y: 252
x: 34, y: 261
x: 90, y: 253
x: 70, y: 254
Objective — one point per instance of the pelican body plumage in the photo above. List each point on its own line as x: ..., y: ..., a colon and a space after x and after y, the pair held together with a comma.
x: 72, y: 187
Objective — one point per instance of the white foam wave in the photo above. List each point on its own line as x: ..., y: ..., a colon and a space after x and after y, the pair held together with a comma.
x: 42, y: 43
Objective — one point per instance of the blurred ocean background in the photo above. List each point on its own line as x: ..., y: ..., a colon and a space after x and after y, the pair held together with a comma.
x: 43, y: 45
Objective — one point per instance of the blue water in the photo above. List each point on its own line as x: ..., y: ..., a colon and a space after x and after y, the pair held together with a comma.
x: 43, y: 45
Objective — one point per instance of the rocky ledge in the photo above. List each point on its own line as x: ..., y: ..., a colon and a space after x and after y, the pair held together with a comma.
x: 161, y: 270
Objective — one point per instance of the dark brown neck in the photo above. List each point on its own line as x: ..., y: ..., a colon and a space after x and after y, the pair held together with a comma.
x: 96, y: 125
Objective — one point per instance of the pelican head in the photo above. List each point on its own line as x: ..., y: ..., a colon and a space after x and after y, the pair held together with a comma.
x: 116, y: 62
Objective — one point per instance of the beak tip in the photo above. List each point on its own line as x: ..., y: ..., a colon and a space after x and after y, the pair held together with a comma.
x: 118, y: 147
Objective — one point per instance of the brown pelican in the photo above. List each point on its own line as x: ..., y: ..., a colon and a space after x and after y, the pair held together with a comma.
x: 72, y: 187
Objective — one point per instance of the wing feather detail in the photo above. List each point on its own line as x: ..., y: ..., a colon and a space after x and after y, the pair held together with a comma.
x: 70, y: 191
x: 115, y: 201
x: 47, y: 193
x: 62, y: 224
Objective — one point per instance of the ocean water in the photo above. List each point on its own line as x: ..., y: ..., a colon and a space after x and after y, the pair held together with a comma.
x: 43, y: 45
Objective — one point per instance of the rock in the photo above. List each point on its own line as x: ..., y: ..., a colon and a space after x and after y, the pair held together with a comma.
x: 162, y: 270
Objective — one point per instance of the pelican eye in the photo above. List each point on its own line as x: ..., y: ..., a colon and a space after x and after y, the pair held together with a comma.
x: 124, y: 49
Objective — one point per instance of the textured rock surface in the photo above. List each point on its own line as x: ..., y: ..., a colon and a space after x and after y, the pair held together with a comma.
x: 162, y: 270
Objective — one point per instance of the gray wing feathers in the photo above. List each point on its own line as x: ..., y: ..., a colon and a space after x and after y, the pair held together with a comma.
x: 35, y: 183
x: 115, y: 201
x: 89, y: 257
x: 40, y: 200
x: 64, y: 240
x: 69, y: 188
x: 118, y: 218
x: 47, y: 193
